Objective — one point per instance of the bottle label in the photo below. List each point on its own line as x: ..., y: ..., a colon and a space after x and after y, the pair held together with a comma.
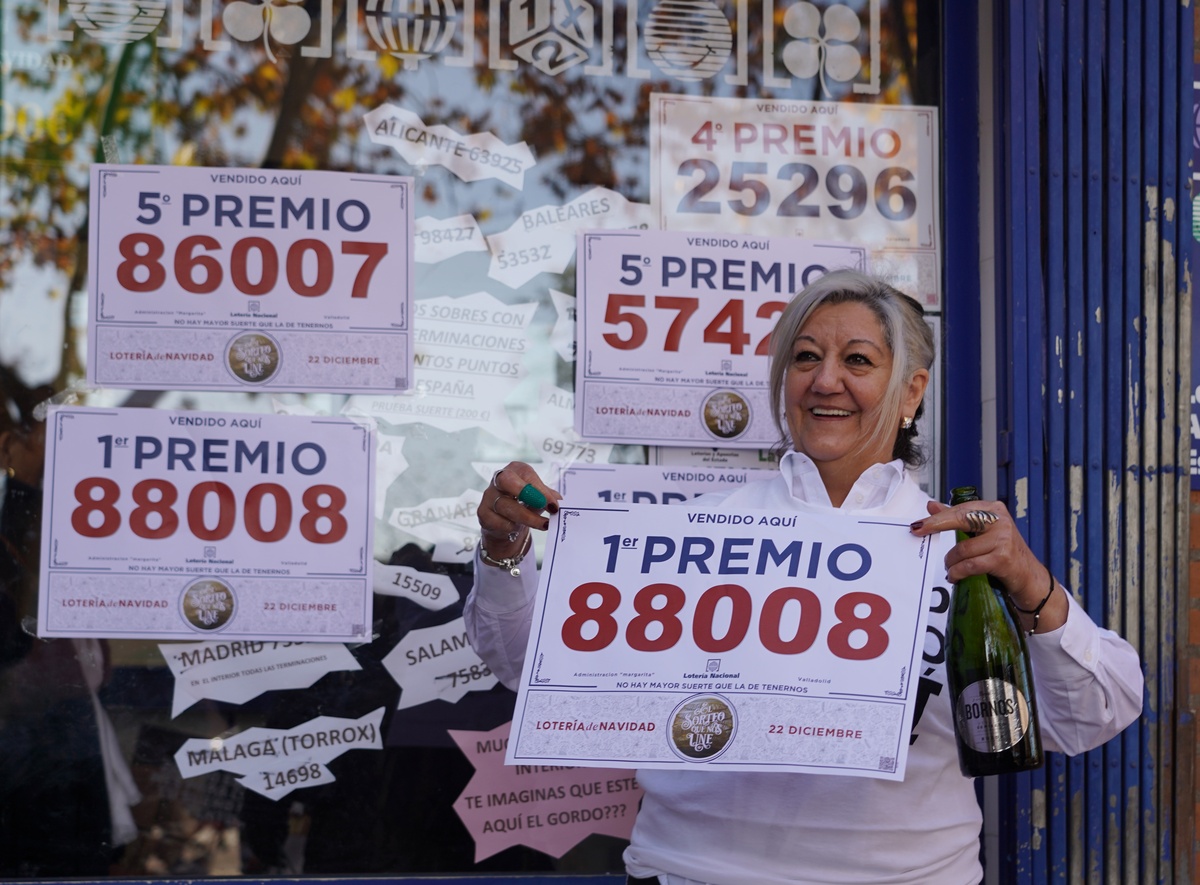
x: 992, y: 714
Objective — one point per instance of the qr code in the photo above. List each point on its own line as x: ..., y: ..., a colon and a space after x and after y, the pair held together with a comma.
x: 887, y: 763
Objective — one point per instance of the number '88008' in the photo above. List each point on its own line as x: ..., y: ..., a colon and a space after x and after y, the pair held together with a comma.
x: 153, y: 516
x: 789, y: 620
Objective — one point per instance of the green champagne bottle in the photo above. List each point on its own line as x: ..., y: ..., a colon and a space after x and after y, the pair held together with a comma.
x: 991, y: 683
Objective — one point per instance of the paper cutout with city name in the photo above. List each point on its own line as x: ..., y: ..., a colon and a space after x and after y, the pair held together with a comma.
x: 427, y: 589
x: 275, y: 761
x: 437, y: 664
x: 470, y: 157
x: 239, y: 671
x: 543, y: 239
x: 389, y: 464
x: 554, y: 435
x: 548, y: 808
x: 562, y: 336
x: 467, y: 360
x: 436, y: 239
x: 450, y: 524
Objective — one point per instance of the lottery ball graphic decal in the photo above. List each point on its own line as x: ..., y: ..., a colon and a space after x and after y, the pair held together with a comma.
x: 702, y: 727
x: 253, y: 357
x: 418, y: 28
x: 688, y: 39
x: 208, y: 604
x: 726, y: 414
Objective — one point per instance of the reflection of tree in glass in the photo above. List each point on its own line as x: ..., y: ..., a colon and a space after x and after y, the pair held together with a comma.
x: 277, y: 108
x: 285, y: 22
x: 823, y: 44
x: 263, y: 103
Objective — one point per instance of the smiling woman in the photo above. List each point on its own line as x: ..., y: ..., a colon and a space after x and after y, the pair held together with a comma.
x: 847, y: 399
x: 850, y: 365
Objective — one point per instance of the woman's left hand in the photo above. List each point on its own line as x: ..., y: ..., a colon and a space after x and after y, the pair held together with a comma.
x: 1000, y: 551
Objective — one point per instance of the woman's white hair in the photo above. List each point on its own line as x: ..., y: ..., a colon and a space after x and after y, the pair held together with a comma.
x: 907, y: 336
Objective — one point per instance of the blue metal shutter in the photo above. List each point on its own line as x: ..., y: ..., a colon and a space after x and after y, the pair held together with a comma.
x: 1093, y: 330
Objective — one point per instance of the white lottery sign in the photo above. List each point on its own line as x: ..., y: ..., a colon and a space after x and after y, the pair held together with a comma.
x: 587, y: 484
x: 242, y: 279
x: 866, y: 173
x: 681, y: 637
x: 206, y: 525
x: 674, y: 330
x: 801, y: 168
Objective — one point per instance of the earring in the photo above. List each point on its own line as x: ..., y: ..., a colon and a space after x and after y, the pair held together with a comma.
x: 906, y: 423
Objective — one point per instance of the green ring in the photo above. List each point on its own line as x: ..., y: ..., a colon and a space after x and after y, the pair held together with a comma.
x: 532, y: 498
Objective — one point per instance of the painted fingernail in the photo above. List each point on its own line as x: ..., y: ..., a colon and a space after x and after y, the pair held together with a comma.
x: 545, y: 524
x: 916, y: 526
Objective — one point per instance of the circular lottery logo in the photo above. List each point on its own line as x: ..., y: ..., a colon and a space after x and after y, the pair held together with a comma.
x: 688, y: 41
x: 253, y: 357
x: 702, y: 727
x: 208, y: 604
x: 726, y: 414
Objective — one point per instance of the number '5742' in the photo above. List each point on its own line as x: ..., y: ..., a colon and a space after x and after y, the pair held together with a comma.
x: 727, y: 326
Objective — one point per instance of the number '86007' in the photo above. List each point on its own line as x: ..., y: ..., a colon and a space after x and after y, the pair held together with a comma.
x: 153, y: 516
x: 789, y: 621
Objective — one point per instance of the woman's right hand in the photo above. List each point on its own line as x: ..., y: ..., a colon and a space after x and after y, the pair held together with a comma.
x: 509, y: 508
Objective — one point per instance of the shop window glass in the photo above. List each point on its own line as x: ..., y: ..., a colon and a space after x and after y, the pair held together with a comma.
x: 519, y: 124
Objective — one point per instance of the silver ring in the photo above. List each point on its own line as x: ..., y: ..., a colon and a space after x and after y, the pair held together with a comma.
x: 496, y: 501
x: 978, y: 520
x: 511, y: 536
x: 495, y: 484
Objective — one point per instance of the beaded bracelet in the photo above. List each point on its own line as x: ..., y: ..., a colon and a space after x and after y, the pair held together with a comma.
x: 509, y: 562
x: 1036, y: 612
